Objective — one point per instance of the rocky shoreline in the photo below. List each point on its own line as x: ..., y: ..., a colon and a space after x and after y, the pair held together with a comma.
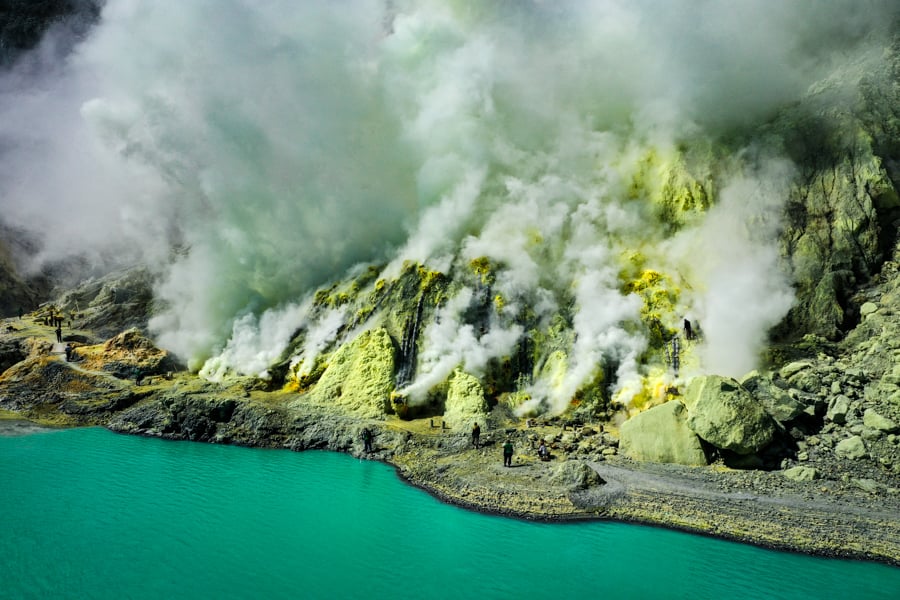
x: 756, y: 507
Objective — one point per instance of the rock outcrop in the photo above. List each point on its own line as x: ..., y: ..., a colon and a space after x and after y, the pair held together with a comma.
x: 360, y: 375
x: 465, y: 402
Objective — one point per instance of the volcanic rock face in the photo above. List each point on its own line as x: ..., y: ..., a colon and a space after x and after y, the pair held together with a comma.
x: 360, y: 375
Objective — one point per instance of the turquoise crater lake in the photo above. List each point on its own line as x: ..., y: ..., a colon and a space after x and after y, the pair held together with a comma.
x: 91, y: 514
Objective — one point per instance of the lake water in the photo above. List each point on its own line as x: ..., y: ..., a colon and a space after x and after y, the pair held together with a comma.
x: 90, y: 514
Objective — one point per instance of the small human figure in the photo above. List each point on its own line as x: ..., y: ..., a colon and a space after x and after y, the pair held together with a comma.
x: 688, y: 330
x: 543, y: 453
x: 476, y: 435
x: 136, y: 373
x: 367, y: 440
x: 507, y: 453
x: 68, y: 352
x: 59, y: 334
x: 20, y: 313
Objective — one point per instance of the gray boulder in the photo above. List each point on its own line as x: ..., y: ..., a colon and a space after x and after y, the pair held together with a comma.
x: 661, y: 434
x: 576, y: 475
x: 724, y: 414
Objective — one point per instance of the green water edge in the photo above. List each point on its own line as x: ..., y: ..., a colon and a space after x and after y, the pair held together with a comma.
x: 92, y: 514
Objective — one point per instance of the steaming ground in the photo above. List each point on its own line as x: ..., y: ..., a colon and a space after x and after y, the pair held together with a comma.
x: 249, y: 153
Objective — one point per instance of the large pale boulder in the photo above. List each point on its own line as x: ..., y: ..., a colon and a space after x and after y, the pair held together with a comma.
x: 465, y: 401
x: 724, y: 414
x: 126, y: 355
x: 360, y: 375
x: 661, y: 434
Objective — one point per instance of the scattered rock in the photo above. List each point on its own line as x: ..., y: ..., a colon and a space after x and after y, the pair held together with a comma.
x: 853, y: 448
x: 801, y: 473
x: 838, y: 409
x: 791, y: 369
x: 867, y: 485
x: 777, y: 402
x: 876, y: 421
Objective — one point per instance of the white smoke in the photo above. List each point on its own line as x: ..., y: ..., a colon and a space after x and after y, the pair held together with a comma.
x: 276, y: 144
x: 451, y: 343
x: 321, y: 333
x: 742, y: 289
x: 258, y: 342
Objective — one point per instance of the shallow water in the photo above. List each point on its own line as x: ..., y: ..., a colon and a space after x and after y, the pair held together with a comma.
x: 91, y: 514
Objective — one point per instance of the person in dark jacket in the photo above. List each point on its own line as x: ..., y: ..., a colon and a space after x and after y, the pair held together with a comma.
x: 507, y: 453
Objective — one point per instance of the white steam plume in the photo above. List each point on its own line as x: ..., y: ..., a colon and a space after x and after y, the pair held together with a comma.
x: 278, y: 143
x: 743, y: 289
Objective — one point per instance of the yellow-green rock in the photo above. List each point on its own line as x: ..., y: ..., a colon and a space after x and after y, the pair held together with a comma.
x: 465, y: 401
x: 724, y: 414
x: 661, y: 434
x: 360, y: 375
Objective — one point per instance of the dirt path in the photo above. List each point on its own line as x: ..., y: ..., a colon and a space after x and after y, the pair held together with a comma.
x: 621, y: 480
x: 787, y: 521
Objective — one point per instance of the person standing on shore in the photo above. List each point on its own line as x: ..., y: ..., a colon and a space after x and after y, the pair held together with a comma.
x: 507, y: 453
x: 367, y: 440
x: 476, y: 435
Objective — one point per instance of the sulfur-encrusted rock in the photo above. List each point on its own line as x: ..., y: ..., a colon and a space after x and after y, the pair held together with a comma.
x: 777, y: 402
x: 838, y: 409
x: 724, y: 414
x: 867, y: 309
x: 853, y: 448
x: 876, y: 421
x: 465, y: 401
x: 801, y: 473
x: 661, y: 434
x: 360, y: 375
x: 127, y: 354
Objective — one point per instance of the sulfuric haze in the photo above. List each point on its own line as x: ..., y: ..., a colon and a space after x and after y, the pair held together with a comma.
x: 251, y: 151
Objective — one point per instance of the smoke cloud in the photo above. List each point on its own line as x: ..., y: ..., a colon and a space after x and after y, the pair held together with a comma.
x: 249, y: 152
